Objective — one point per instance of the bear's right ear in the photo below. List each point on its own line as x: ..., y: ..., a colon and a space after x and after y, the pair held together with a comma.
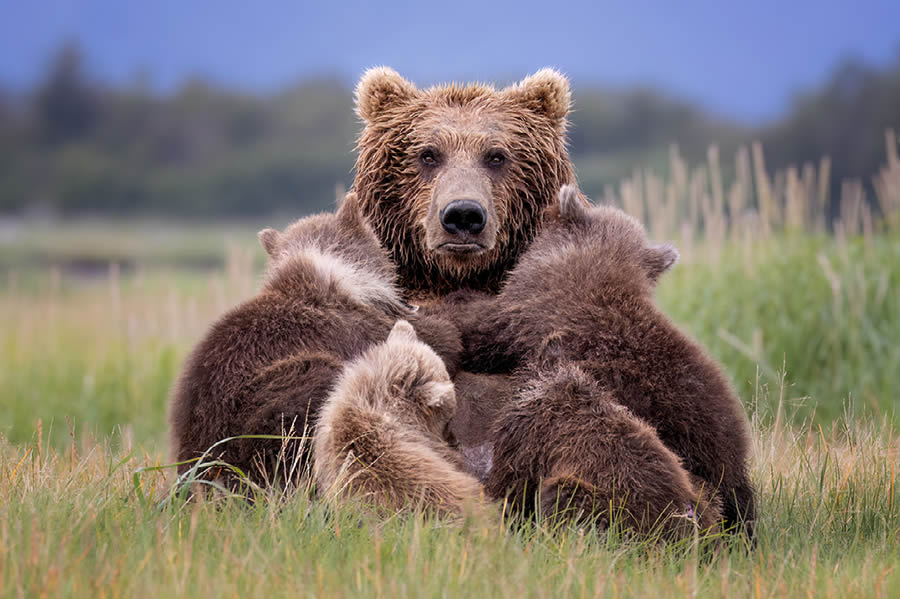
x: 268, y: 238
x: 571, y: 206
x: 379, y: 89
x: 659, y: 258
x: 402, y: 331
x: 546, y: 92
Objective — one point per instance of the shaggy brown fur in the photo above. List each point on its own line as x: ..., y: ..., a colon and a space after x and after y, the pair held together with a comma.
x: 583, y: 295
x: 592, y: 459
x: 383, y: 431
x: 422, y: 149
x: 266, y: 366
x: 480, y: 395
x: 479, y: 400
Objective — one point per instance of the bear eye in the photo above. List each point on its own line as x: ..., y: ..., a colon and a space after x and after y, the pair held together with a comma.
x: 428, y: 158
x: 495, y: 158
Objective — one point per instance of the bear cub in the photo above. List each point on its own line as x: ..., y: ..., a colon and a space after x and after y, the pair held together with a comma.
x: 628, y: 394
x: 267, y: 365
x: 383, y: 431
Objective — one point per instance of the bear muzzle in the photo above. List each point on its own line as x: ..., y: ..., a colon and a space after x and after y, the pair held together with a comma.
x: 461, y: 219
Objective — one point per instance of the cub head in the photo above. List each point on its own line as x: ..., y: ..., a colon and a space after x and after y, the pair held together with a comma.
x: 618, y: 239
x: 454, y: 178
x: 341, y: 250
x: 418, y: 377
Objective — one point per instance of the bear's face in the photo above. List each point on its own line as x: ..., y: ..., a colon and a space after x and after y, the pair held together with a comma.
x: 454, y: 179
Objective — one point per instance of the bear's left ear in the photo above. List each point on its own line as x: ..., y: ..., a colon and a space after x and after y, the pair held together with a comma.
x: 659, y: 258
x: 402, y: 331
x: 439, y: 394
x: 268, y: 238
x: 546, y: 92
x: 379, y: 89
x: 571, y: 206
x: 349, y: 211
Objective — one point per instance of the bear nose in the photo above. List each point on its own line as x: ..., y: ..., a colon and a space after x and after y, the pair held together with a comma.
x: 463, y: 216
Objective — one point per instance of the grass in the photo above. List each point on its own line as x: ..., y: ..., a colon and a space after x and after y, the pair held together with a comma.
x: 805, y: 323
x: 71, y: 523
x: 825, y: 312
x: 102, y: 353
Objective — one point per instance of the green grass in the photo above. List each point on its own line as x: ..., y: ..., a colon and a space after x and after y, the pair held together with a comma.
x: 71, y: 523
x: 827, y: 313
x: 88, y: 363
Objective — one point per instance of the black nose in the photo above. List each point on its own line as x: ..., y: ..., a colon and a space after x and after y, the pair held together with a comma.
x: 463, y: 216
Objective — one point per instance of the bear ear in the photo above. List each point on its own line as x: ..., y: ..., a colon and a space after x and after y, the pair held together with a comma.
x: 440, y: 394
x: 268, y: 238
x: 402, y: 331
x: 571, y: 206
x: 379, y: 89
x: 546, y: 92
x: 659, y: 258
x: 348, y: 211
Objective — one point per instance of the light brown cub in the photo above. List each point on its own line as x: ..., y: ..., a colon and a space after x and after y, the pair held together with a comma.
x: 382, y: 433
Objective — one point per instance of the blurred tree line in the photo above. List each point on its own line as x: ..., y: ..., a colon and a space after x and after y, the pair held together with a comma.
x: 75, y: 146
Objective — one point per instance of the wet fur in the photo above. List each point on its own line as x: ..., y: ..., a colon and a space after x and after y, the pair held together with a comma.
x: 582, y: 297
x: 266, y: 366
x: 526, y: 120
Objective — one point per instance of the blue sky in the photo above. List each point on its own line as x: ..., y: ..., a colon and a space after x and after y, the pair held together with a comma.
x: 741, y: 59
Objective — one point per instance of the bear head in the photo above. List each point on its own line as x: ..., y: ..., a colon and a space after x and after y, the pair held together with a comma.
x: 418, y: 378
x: 454, y: 178
x: 336, y: 251
x: 614, y: 242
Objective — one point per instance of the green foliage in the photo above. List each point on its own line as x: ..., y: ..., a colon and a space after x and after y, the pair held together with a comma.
x: 844, y: 120
x: 826, y: 312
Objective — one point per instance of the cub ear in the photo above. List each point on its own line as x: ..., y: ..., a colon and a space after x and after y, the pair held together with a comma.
x: 659, y: 258
x: 402, y: 331
x: 379, y: 89
x: 440, y: 395
x: 571, y: 206
x: 348, y: 211
x: 268, y: 238
x: 546, y: 92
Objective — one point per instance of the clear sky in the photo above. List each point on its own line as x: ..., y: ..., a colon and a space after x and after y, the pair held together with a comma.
x: 741, y: 58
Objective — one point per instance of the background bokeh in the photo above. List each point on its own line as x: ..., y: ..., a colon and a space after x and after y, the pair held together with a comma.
x: 218, y: 110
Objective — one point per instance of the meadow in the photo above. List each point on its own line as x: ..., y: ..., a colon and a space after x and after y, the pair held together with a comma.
x: 801, y: 305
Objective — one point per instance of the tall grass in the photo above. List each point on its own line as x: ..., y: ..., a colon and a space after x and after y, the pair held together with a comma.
x: 692, y: 204
x: 71, y: 523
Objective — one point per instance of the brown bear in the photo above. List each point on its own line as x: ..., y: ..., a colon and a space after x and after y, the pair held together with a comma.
x: 382, y: 433
x: 582, y: 296
x: 454, y: 178
x: 592, y: 459
x: 266, y: 366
